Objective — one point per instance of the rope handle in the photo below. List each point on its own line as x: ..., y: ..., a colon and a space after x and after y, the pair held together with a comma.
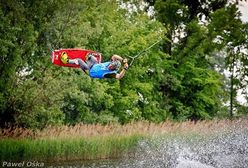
x: 125, y: 63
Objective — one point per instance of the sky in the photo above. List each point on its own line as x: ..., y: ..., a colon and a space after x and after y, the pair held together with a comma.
x: 243, y: 7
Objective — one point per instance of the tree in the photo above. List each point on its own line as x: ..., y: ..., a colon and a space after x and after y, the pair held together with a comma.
x: 17, y: 37
x: 175, y: 15
x: 175, y: 79
x: 185, y: 83
x: 114, y: 31
x: 227, y: 26
x: 22, y: 30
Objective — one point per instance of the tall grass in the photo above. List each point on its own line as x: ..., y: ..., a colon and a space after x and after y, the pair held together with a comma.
x: 49, y: 150
x: 141, y: 128
x: 97, y: 141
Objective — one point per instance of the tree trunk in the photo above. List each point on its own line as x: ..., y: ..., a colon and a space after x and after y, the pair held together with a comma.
x: 232, y: 86
x: 231, y: 96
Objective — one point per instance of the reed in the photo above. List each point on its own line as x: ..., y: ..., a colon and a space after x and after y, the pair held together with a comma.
x: 97, y: 141
x: 142, y: 128
x: 60, y: 149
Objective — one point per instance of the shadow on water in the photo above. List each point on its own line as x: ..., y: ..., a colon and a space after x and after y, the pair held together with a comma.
x: 223, y: 150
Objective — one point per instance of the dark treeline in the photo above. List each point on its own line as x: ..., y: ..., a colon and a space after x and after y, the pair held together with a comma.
x: 181, y: 78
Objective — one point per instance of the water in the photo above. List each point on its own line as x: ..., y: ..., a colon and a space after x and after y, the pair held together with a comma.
x: 222, y: 150
x: 226, y: 151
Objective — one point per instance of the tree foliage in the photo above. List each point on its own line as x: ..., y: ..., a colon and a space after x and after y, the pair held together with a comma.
x: 175, y: 79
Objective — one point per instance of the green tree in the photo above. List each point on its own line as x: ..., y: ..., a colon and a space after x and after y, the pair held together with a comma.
x: 232, y: 34
x: 22, y: 47
x: 105, y: 27
x: 17, y: 37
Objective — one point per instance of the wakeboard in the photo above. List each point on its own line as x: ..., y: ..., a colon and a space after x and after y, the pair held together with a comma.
x: 73, y: 54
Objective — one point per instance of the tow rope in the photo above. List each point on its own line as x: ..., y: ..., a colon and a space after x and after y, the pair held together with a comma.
x: 145, y: 50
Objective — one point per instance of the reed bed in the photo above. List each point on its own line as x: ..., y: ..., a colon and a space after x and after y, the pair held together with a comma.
x: 97, y: 141
x: 135, y: 128
x: 50, y: 150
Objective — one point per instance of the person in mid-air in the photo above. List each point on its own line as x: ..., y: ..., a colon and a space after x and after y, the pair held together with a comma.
x: 107, y: 69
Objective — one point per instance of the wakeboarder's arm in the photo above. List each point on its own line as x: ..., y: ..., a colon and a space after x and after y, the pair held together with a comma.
x: 121, y: 74
x: 123, y: 71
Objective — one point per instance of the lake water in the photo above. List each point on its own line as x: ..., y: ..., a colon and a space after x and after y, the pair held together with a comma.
x: 227, y: 150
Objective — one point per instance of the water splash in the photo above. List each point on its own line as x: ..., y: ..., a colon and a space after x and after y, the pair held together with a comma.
x: 225, y: 148
x: 220, y: 151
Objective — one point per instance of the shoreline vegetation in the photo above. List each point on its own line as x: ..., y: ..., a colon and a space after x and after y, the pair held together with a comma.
x: 90, y: 142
